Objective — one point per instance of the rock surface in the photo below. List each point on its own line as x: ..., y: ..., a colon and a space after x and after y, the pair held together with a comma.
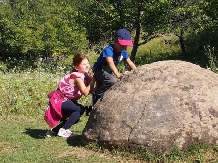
x: 156, y: 107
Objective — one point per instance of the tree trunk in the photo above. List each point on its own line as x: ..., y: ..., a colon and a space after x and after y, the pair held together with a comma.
x: 120, y: 9
x: 137, y: 36
x: 182, y: 43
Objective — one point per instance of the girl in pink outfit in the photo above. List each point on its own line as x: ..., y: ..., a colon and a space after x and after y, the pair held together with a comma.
x: 63, y: 106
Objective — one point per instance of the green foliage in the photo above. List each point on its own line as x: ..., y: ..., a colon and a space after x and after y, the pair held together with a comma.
x: 145, y: 19
x: 33, y: 29
x: 99, y: 18
x: 212, y: 58
x: 26, y: 93
x: 196, y: 43
x: 211, y: 10
x: 3, y: 67
x: 40, y: 29
x: 162, y: 48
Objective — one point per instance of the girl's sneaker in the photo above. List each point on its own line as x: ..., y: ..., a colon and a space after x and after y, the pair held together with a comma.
x: 65, y: 133
x: 50, y: 133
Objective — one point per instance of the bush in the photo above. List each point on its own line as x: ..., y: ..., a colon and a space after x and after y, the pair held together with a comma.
x: 26, y: 93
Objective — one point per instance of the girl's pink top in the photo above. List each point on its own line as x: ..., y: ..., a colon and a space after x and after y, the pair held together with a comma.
x: 66, y: 91
x: 72, y: 91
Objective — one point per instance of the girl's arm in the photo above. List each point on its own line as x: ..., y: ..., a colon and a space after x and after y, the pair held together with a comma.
x: 93, y: 86
x: 85, y: 90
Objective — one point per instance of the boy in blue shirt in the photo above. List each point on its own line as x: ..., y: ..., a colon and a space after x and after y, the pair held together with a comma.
x: 109, y: 59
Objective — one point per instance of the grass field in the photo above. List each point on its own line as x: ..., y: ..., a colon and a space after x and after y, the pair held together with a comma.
x: 22, y: 139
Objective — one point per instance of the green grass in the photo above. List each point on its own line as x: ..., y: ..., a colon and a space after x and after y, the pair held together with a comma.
x: 160, y: 48
x: 22, y: 139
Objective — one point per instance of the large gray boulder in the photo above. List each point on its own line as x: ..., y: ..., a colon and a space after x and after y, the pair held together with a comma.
x: 158, y: 106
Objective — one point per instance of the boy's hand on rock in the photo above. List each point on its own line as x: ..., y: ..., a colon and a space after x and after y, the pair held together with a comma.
x: 125, y: 72
x: 121, y: 75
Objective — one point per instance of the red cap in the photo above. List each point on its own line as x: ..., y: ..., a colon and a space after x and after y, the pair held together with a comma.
x: 125, y: 42
x: 124, y: 37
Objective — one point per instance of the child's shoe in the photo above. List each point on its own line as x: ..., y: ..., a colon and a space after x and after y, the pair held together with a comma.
x: 88, y: 110
x: 65, y: 133
x: 95, y: 98
x: 50, y: 133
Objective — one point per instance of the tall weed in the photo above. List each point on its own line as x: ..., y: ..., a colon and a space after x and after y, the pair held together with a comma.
x: 212, y: 59
x: 26, y: 93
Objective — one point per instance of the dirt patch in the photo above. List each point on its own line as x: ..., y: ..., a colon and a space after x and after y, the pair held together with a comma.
x: 6, y: 147
x: 82, y: 153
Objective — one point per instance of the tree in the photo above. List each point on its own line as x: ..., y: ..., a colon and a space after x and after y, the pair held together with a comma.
x: 40, y: 28
x: 6, y: 28
x: 102, y: 18
x: 211, y: 10
x: 184, y: 18
x: 145, y: 19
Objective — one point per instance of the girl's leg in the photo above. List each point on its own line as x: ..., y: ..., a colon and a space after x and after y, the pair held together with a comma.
x: 71, y: 110
x: 60, y: 125
x: 105, y: 80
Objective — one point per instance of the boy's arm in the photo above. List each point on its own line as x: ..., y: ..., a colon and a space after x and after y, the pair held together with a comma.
x: 130, y: 63
x: 113, y: 67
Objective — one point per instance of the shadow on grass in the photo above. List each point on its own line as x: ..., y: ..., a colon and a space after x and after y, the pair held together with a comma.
x: 77, y: 141
x: 36, y: 133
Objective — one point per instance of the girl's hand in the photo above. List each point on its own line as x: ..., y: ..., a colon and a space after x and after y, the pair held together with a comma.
x: 90, y: 73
